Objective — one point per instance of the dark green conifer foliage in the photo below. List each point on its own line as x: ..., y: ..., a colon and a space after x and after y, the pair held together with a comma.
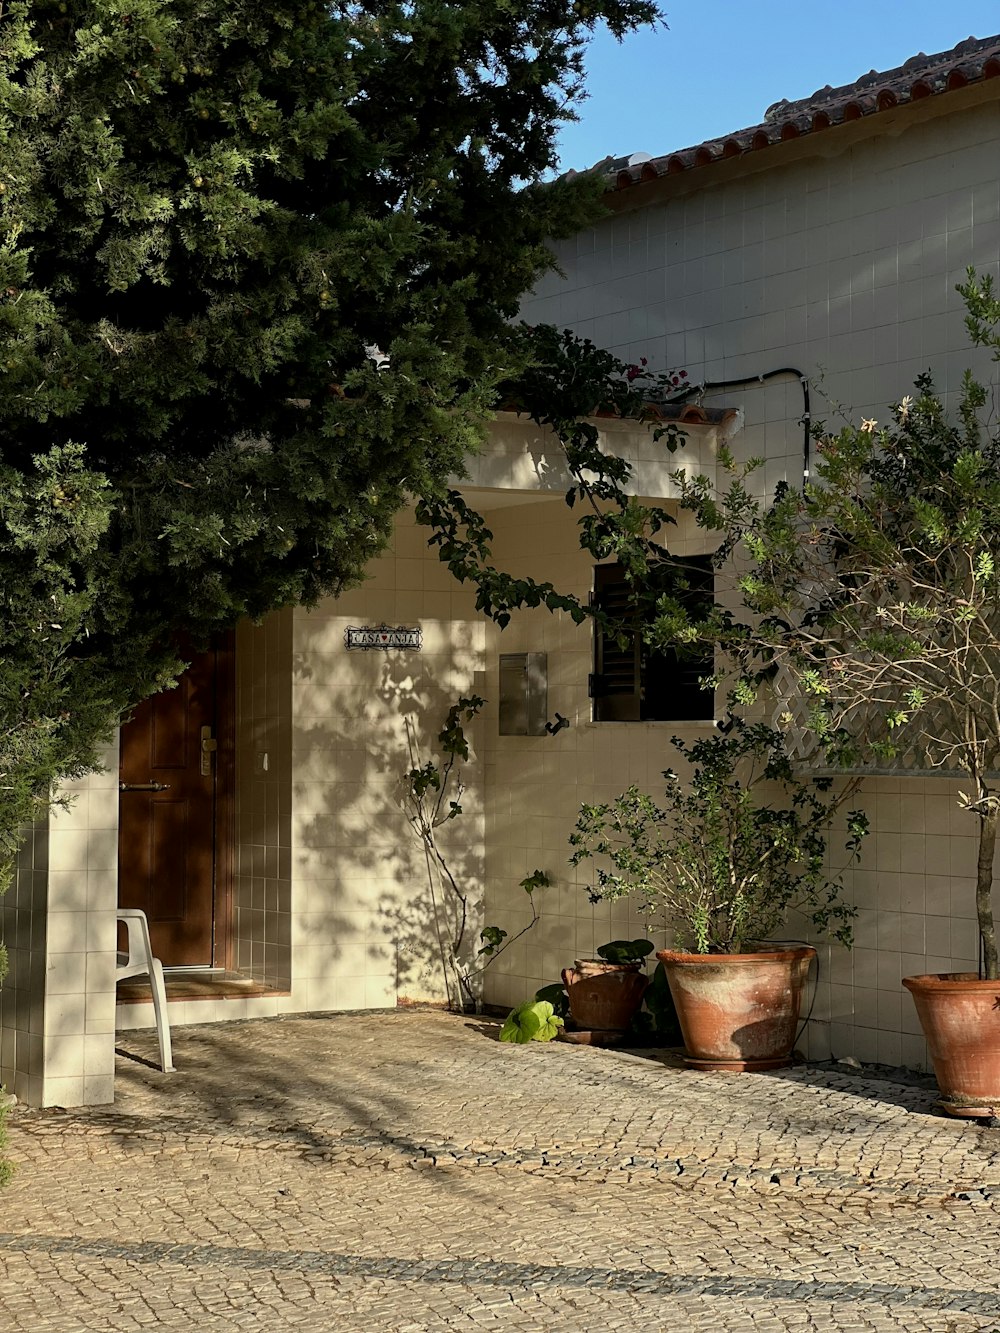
x: 209, y: 210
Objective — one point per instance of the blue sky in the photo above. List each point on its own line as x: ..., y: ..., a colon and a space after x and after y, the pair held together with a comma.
x: 723, y: 62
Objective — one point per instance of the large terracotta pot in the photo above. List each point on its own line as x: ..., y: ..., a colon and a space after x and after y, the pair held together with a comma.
x: 960, y: 1016
x: 604, y: 997
x: 738, y: 1010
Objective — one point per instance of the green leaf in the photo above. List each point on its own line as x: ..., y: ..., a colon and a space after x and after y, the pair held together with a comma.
x: 625, y: 951
x: 492, y: 937
x: 555, y: 994
x: 535, y: 1020
x: 538, y: 879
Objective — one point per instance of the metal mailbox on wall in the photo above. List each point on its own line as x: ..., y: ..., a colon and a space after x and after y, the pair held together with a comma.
x: 523, y: 694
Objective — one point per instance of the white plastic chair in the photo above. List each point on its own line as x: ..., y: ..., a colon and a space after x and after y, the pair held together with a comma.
x: 138, y: 961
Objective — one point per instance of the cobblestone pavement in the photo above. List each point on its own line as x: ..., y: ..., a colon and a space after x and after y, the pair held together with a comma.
x: 403, y: 1172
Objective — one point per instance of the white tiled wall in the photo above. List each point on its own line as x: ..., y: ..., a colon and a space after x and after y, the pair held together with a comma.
x: 914, y: 887
x: 22, y: 995
x: 842, y: 265
x: 57, y: 1005
x: 363, y: 932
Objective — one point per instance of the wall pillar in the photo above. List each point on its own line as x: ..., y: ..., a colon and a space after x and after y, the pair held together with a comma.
x: 57, y: 1005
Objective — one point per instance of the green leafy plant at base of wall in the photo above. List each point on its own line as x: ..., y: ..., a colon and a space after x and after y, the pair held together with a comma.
x: 6, y: 1166
x: 656, y: 1020
x: 535, y: 1020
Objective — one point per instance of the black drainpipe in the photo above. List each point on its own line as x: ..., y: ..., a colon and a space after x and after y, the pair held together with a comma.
x: 708, y: 385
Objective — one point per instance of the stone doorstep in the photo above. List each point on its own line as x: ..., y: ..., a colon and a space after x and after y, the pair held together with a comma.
x: 196, y: 985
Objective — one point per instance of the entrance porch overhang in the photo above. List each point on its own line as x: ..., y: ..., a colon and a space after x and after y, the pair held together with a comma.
x: 522, y: 457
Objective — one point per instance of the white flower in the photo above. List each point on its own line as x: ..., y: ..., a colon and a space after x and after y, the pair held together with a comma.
x: 904, y: 407
x: 868, y: 424
x: 374, y: 353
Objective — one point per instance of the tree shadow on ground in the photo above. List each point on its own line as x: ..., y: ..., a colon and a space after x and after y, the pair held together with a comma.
x: 484, y: 1026
x: 905, y: 1088
x: 277, y: 1084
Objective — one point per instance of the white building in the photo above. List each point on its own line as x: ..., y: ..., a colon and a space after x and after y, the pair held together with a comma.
x: 280, y: 871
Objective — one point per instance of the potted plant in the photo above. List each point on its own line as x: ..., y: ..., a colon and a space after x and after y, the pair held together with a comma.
x: 875, y: 598
x: 604, y: 993
x: 603, y: 996
x: 725, y: 857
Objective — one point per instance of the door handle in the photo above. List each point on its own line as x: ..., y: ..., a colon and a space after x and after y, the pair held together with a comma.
x: 144, y: 786
x: 208, y: 748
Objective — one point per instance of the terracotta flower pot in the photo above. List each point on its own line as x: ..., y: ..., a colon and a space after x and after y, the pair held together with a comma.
x: 603, y: 997
x: 960, y: 1016
x: 738, y: 1010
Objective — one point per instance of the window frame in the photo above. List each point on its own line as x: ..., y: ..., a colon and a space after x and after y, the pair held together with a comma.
x: 634, y: 683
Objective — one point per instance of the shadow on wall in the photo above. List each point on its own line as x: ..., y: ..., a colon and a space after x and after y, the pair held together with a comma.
x: 377, y: 924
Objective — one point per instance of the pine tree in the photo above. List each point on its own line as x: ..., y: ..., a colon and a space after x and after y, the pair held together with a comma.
x: 257, y: 269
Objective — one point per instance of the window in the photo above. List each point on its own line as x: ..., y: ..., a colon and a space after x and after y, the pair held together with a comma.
x: 634, y: 683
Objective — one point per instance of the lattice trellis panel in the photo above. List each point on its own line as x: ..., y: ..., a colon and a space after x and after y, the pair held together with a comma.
x: 790, y: 716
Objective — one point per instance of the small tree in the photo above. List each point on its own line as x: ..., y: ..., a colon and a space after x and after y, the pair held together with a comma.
x: 875, y: 599
x: 433, y: 792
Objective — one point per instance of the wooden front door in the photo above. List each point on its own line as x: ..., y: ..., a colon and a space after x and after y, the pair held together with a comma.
x: 172, y: 838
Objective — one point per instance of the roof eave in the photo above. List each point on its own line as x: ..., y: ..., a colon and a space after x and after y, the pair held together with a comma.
x: 763, y: 147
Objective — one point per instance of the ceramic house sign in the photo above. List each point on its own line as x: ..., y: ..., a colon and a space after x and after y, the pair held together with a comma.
x: 384, y: 637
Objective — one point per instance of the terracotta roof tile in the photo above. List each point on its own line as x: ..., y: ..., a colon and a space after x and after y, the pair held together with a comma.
x: 971, y: 61
x: 687, y: 414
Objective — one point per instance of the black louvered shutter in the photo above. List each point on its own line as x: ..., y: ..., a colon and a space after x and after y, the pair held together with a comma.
x: 616, y: 683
